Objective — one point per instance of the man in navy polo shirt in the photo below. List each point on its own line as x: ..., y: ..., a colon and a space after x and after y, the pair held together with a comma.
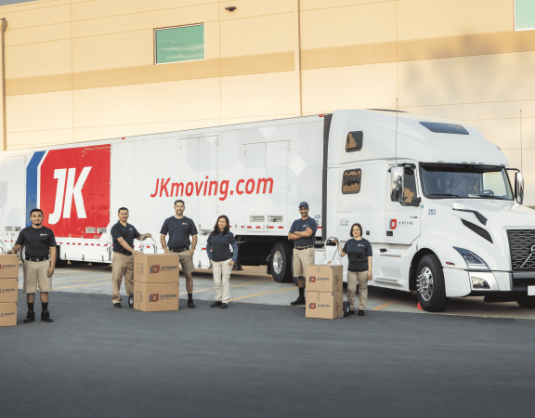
x: 122, y: 265
x: 180, y: 228
x: 302, y: 233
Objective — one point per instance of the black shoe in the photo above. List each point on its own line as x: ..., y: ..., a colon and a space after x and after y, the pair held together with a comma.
x: 45, y: 317
x: 30, y: 317
x: 224, y: 305
x: 351, y: 313
x: 190, y: 303
x: 216, y: 304
x: 299, y: 301
x: 361, y: 312
x: 117, y: 305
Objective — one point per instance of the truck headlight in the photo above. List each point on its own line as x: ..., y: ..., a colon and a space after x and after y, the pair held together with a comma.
x: 472, y: 260
x: 479, y: 283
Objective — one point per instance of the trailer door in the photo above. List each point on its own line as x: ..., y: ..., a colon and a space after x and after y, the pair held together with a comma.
x: 276, y: 185
x: 12, y: 194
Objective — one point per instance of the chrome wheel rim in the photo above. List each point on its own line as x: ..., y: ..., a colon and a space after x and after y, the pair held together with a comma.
x: 277, y: 262
x: 424, y: 283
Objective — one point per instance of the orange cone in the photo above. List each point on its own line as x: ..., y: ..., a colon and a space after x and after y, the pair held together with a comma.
x: 419, y: 307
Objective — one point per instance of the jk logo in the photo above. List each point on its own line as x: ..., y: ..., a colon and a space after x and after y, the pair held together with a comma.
x: 65, y: 195
x: 154, y: 269
x: 311, y: 279
x: 312, y: 306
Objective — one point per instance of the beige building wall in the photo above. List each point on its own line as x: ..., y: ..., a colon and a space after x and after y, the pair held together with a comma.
x: 79, y: 70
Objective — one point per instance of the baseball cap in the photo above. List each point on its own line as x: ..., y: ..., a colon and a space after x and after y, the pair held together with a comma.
x: 303, y: 205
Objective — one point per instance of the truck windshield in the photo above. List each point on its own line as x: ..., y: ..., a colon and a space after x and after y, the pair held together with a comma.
x: 471, y: 181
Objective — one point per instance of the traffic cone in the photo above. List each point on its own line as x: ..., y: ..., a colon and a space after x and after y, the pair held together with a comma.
x: 419, y: 306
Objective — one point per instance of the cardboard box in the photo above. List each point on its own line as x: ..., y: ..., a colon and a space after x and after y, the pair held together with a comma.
x: 9, y: 266
x: 323, y: 305
x: 9, y: 290
x: 155, y: 297
x: 156, y: 268
x: 8, y: 314
x: 325, y: 278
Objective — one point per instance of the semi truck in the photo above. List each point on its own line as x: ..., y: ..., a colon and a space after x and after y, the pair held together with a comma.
x: 438, y: 202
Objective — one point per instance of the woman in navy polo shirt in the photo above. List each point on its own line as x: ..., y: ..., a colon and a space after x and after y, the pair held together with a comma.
x: 218, y: 250
x: 359, y: 269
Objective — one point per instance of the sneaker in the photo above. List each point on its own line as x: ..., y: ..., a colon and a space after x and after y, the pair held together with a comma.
x: 299, y: 301
x: 351, y: 313
x: 190, y: 303
x: 30, y: 317
x: 117, y: 305
x: 45, y: 317
x: 361, y: 312
x: 216, y: 304
x: 224, y: 305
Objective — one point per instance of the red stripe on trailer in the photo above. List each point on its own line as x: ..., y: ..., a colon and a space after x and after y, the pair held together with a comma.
x: 204, y: 249
x: 249, y: 227
x: 258, y: 227
x: 270, y: 227
x: 281, y: 227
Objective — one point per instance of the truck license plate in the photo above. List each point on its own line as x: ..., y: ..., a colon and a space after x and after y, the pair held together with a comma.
x: 531, y: 290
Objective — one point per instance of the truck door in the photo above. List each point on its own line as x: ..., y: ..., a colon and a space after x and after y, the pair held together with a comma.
x: 401, y: 226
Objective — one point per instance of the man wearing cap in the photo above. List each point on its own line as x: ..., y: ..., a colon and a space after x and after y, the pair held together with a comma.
x: 302, y: 233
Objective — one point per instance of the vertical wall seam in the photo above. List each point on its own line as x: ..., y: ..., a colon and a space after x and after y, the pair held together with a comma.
x: 3, y: 69
x: 297, y: 58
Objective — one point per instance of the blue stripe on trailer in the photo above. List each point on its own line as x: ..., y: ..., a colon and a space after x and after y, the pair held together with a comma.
x: 31, y: 183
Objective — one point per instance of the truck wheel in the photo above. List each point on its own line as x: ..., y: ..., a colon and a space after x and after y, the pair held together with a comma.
x: 527, y: 304
x: 430, y: 284
x: 281, y: 267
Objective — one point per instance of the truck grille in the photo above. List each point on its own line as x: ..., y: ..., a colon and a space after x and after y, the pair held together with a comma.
x: 520, y: 242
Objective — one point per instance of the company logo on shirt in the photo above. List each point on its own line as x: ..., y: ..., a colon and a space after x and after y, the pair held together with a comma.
x: 154, y: 269
x: 44, y: 235
x: 393, y: 224
x: 311, y: 306
x: 155, y: 297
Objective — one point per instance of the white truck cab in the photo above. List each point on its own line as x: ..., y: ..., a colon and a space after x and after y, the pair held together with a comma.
x: 434, y: 199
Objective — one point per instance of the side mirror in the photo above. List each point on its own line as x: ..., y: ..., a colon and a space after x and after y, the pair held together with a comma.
x: 396, y: 184
x: 519, y: 187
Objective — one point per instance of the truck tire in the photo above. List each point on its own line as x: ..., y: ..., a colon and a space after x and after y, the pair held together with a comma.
x: 430, y: 285
x: 281, y: 262
x: 527, y: 304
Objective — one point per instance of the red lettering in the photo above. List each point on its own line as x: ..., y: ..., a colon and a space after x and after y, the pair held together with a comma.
x: 205, y: 184
x: 198, y: 187
x: 251, y: 189
x: 238, y: 186
x: 163, y: 187
x: 265, y: 182
x: 190, y: 192
x: 177, y: 186
x: 222, y: 191
x: 156, y: 191
x: 212, y: 183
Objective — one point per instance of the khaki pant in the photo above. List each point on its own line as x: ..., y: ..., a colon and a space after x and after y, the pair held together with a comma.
x: 36, y: 272
x: 222, y: 270
x: 186, y: 261
x: 362, y: 278
x: 302, y: 259
x: 122, y: 266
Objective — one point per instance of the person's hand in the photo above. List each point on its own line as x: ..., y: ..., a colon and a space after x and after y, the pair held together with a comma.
x: 137, y: 252
x: 148, y: 235
x: 165, y: 250
x: 10, y: 252
x: 50, y: 271
x: 231, y: 263
x: 369, y: 276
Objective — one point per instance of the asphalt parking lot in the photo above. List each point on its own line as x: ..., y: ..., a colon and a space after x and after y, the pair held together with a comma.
x: 253, y: 286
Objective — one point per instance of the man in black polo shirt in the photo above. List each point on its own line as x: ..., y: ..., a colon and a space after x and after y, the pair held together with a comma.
x: 180, y: 228
x: 123, y: 235
x: 39, y: 242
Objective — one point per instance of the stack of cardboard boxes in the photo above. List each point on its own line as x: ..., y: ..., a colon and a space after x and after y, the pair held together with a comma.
x: 325, y: 291
x: 9, y: 275
x: 156, y: 282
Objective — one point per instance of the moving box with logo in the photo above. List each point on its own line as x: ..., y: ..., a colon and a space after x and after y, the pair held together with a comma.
x: 9, y: 273
x: 156, y: 282
x: 324, y: 291
x: 437, y: 201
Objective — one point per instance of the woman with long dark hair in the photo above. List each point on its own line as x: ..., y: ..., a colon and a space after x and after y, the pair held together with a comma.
x: 218, y: 250
x: 359, y: 269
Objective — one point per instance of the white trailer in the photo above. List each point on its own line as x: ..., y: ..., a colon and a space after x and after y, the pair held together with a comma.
x: 433, y: 197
